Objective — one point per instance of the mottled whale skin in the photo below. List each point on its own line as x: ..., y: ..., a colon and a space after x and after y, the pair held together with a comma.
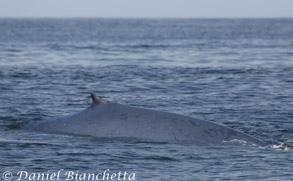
x: 106, y: 119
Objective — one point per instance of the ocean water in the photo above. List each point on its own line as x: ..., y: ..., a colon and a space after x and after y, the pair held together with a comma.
x: 236, y: 72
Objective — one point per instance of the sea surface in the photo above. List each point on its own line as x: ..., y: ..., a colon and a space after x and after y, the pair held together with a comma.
x: 236, y: 72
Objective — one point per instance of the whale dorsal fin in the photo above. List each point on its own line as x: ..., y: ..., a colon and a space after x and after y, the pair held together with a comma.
x: 97, y: 100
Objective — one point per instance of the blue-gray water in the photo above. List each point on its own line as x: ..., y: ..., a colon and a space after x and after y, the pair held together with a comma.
x: 237, y: 72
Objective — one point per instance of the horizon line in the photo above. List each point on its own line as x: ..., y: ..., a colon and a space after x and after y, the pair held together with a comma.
x: 114, y: 17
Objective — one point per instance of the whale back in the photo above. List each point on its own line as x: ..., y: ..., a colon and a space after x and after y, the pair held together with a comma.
x: 106, y: 119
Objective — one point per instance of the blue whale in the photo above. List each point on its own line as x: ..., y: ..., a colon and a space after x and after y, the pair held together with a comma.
x: 105, y: 119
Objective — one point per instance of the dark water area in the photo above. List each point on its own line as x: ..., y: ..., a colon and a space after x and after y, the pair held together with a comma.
x: 236, y: 72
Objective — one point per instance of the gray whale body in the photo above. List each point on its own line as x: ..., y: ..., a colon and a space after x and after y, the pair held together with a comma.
x: 106, y: 119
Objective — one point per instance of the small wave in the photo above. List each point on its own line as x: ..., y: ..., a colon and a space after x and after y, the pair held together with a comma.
x: 242, y: 142
x: 13, y: 126
x: 22, y: 142
x: 160, y: 158
x: 148, y: 46
x: 58, y: 47
x: 13, y: 50
x: 236, y: 141
x: 284, y: 146
x: 143, y: 46
x: 150, y: 142
x: 89, y: 47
